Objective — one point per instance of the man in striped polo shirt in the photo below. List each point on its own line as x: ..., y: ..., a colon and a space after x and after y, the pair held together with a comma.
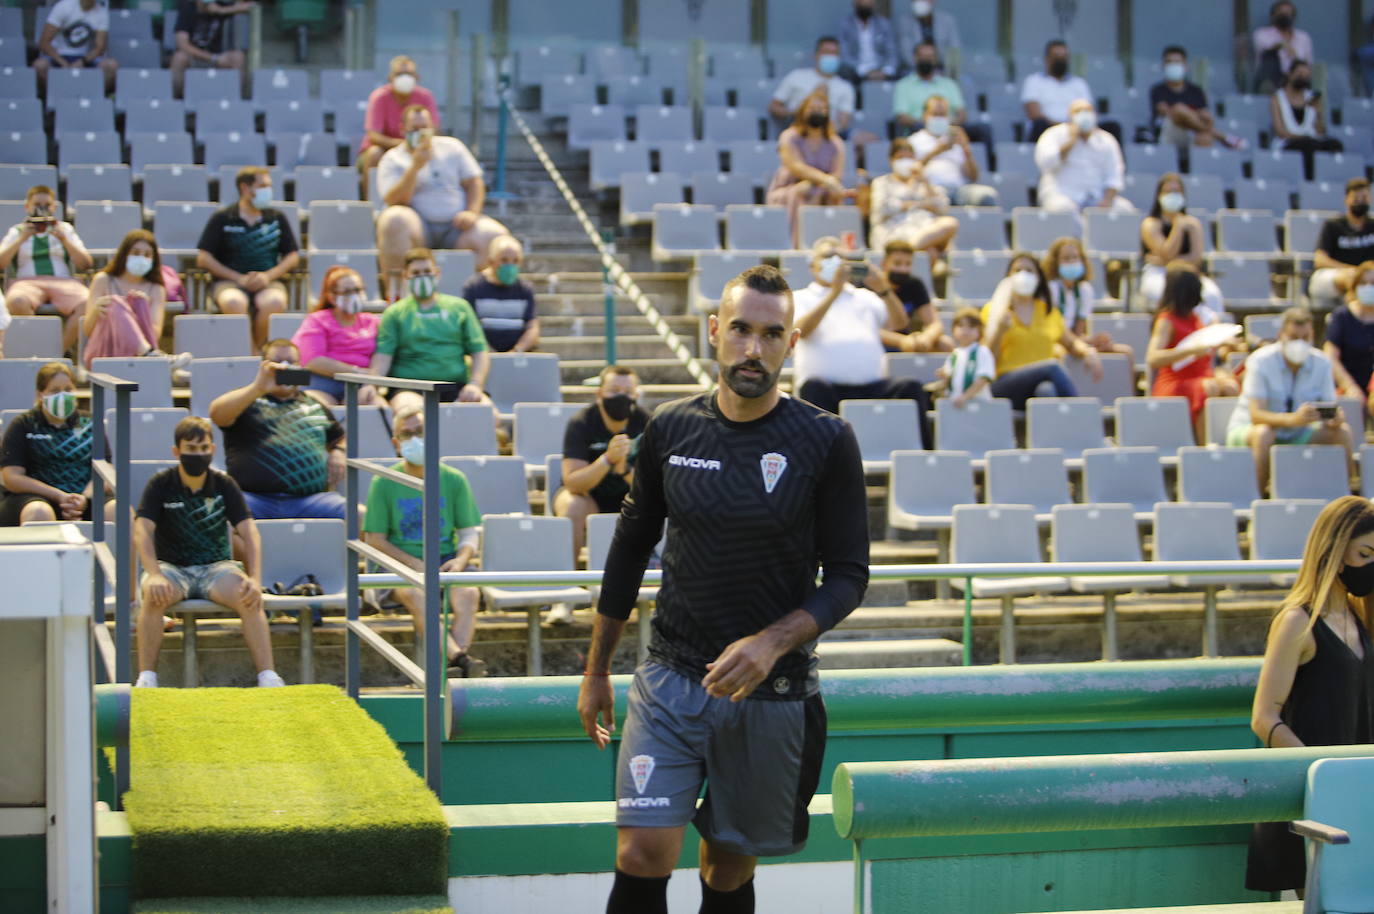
x: 46, y: 253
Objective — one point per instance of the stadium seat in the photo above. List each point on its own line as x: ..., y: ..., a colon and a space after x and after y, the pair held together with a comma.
x: 178, y: 226
x: 1111, y: 233
x: 1328, y: 195
x: 920, y: 366
x: 374, y: 432
x: 641, y: 194
x: 284, y: 324
x: 1279, y: 164
x: 610, y: 162
x: 742, y: 61
x: 1070, y: 424
x: 1338, y: 166
x: 339, y: 85
x: 1204, y: 192
x: 294, y: 150
x: 1118, y: 377
x: 611, y: 62
x: 1246, y: 231
x: 523, y: 377
x: 339, y: 225
x: 79, y: 115
x: 153, y: 375
x: 1244, y: 281
x: 172, y: 148
x: 497, y: 483
x: 981, y: 426
x: 87, y: 148
x: 682, y: 230
x: 588, y: 124
x: 974, y: 275
x: 764, y: 229
x: 296, y: 115
x: 365, y: 262
x: 212, y: 336
x: 1228, y: 164
x: 1100, y: 533
x: 1218, y: 474
x: 174, y: 182
x: 150, y: 430
x: 141, y: 83
x: 632, y: 91
x: 689, y: 158
x: 1200, y: 532
x: 796, y: 268
x: 843, y: 222
x: 135, y: 53
x: 18, y: 82
x: 713, y: 270
x: 1262, y: 328
x: 757, y: 159
x: 658, y: 125
x: 980, y: 229
x: 12, y: 51
x: 325, y: 182
x: 223, y: 115
x: 274, y: 85
x: 99, y: 182
x: 350, y: 118
x: 33, y: 337
x: 1279, y: 528
x: 236, y: 149
x: 211, y: 86
x: 1308, y: 471
x: 1131, y: 329
x: 1216, y: 415
x: 75, y: 82
x: 467, y: 429
x: 1035, y: 229
x: 1026, y: 476
x: 883, y: 426
x: 721, y: 189
x: 924, y: 489
x: 539, y: 429
x: 17, y: 375
x: 1263, y: 194
x: 16, y: 179
x: 535, y: 62
x: 1017, y: 157
x: 103, y: 225
x: 725, y: 125
x: 1126, y: 476
x: 212, y: 377
x: 1158, y: 422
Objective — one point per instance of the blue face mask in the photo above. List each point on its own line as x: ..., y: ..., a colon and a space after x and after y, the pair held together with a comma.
x: 413, y: 450
x: 1073, y: 272
x: 262, y: 197
x: 829, y: 64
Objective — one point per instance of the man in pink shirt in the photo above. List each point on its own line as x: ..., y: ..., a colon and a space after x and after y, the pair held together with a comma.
x: 385, y: 107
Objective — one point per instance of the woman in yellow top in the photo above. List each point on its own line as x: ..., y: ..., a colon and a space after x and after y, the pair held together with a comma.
x: 1027, y: 335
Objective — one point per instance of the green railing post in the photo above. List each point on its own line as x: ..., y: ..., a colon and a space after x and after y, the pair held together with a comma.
x: 609, y: 288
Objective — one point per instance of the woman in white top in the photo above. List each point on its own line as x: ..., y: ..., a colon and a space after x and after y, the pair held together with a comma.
x: 1168, y: 234
x: 1298, y: 116
x: 1068, y: 275
x: 904, y: 205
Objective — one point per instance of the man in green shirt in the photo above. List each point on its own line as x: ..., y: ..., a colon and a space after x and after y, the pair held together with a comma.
x: 430, y: 336
x: 911, y: 92
x: 395, y: 526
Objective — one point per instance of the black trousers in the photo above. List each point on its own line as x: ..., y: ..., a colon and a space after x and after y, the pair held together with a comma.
x: 827, y: 395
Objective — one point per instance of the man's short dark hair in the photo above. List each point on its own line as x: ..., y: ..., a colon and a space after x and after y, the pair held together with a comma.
x: 613, y: 371
x: 898, y: 246
x: 1055, y: 43
x: 826, y: 38
x: 192, y: 428
x: 1175, y: 49
x: 39, y: 189
x: 276, y: 344
x: 762, y: 278
x: 248, y: 176
x: 1296, y: 316
x: 925, y: 44
x: 1355, y: 184
x: 970, y: 317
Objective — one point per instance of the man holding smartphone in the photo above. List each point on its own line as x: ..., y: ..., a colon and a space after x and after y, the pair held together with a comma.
x: 284, y: 449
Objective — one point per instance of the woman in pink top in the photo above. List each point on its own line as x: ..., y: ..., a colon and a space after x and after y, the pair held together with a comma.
x: 338, y: 336
x: 383, y: 121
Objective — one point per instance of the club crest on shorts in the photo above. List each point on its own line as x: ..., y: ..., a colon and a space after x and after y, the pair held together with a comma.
x: 641, y: 769
x: 773, y: 466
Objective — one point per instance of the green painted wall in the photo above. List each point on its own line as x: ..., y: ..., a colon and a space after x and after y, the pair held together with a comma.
x: 23, y: 874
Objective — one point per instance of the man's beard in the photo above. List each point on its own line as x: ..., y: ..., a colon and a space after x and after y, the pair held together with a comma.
x: 748, y: 387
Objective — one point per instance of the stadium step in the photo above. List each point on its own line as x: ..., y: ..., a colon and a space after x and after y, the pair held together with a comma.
x: 628, y: 347
x: 650, y: 370
x: 571, y: 324
x: 888, y: 653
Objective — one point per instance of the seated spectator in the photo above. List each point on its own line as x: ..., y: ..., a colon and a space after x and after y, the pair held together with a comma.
x: 946, y: 155
x: 384, y: 121
x: 868, y: 45
x: 812, y: 162
x: 1180, y: 108
x: 1080, y: 164
x: 913, y: 92
x: 284, y: 450
x: 45, y: 457
x: 970, y: 370
x: 1363, y: 56
x: 1277, y: 45
x: 76, y: 34
x: 598, y: 452
x: 127, y: 306
x: 1069, y: 276
x: 248, y: 247
x: 1284, y: 383
x: 904, y: 206
x: 395, y: 526
x: 434, y: 193
x: 1298, y: 116
x: 1025, y: 332
x: 1048, y: 96
x: 1345, y: 242
x: 338, y: 336
x: 840, y: 352
x: 923, y: 331
x: 1350, y: 335
x: 4, y: 323
x: 181, y: 536
x: 504, y: 302
x: 1185, y: 371
x: 429, y: 336
x: 926, y: 24
x: 204, y: 38
x: 1169, y: 234
x: 47, y: 254
x: 800, y: 85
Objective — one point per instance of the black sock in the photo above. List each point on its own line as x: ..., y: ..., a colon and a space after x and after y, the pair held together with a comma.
x: 740, y: 901
x: 638, y: 895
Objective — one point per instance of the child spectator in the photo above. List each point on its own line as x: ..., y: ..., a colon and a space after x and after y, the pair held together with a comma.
x: 970, y: 369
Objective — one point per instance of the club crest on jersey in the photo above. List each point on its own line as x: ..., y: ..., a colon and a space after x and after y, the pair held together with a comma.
x: 773, y: 466
x: 641, y: 769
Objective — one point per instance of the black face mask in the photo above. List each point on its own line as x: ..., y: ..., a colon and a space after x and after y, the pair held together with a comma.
x: 1059, y: 67
x: 817, y: 119
x: 1359, y: 210
x: 864, y: 12
x: 1302, y: 84
x: 1283, y: 22
x: 618, y: 406
x: 1358, y: 580
x: 925, y: 67
x: 195, y: 464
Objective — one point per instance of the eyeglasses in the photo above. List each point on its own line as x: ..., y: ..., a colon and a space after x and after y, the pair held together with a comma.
x: 352, y: 290
x: 417, y: 274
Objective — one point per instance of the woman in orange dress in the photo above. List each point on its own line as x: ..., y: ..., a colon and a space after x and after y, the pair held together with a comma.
x: 1184, y: 371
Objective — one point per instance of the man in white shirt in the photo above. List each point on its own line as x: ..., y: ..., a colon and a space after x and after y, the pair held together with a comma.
x: 800, y: 83
x: 76, y: 34
x: 1080, y: 164
x: 1047, y: 96
x: 946, y: 156
x: 47, y: 254
x: 434, y: 192
x: 840, y: 354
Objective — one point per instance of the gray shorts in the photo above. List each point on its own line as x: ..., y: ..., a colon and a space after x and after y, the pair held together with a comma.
x: 196, y: 581
x: 760, y: 761
x: 441, y: 236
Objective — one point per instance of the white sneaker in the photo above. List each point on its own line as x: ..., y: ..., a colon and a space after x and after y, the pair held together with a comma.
x: 146, y: 680
x: 268, y: 679
x: 560, y: 614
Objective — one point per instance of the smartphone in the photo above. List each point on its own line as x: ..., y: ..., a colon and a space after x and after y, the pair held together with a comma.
x: 858, y: 272
x: 1327, y: 410
x: 293, y: 377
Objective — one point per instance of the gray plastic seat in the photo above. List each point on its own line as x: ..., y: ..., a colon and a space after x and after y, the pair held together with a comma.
x: 820, y: 221
x: 276, y: 84
x: 1131, y: 329
x: 588, y: 124
x: 1308, y: 471
x: 1327, y: 195
x: 33, y: 337
x: 284, y: 324
x: 657, y: 125
x: 1015, y: 157
x: 796, y: 268
x: 974, y: 275
x: 17, y: 376
x: 1279, y: 528
x: 497, y: 483
x: 1106, y: 231
x: 523, y: 377
x: 365, y: 262
x: 236, y: 149
x: 1199, y: 531
x: 539, y: 429
x: 610, y: 62
x: 1247, y: 231
x: 211, y: 85
x: 90, y: 147
x: 103, y: 224
x: 713, y: 270
x: 642, y: 193
x: 980, y: 229
x: 1218, y: 474
x: 152, y: 374
x: 1339, y: 166
x: 341, y: 225
x: 141, y: 83
x: 682, y: 230
x: 751, y: 227
x: 689, y: 158
x: 343, y: 86
x: 754, y: 158
x: 722, y: 124
x: 212, y: 377
x: 373, y: 436
x: 1279, y: 164
x: 174, y: 182
x: 209, y: 336
x: 1124, y: 475
x: 1204, y: 191
x: 883, y: 426
x: 1366, y: 458
x: 1217, y: 160
x: 76, y: 82
x: 1035, y: 229
x: 1159, y: 422
x: 224, y: 115
x: 534, y: 62
x: 920, y: 366
x: 78, y: 115
x: 1244, y: 281
x: 178, y: 226
x: 1262, y: 194
x: 1071, y: 424
x: 467, y: 429
x: 925, y: 487
x: 172, y: 147
x: 325, y: 182
x: 1034, y: 477
x: 721, y: 189
x: 150, y: 431
x: 981, y: 426
x: 1118, y: 377
x: 611, y: 161
x: 632, y: 91
x: 16, y: 179
x: 1216, y: 415
x: 297, y: 115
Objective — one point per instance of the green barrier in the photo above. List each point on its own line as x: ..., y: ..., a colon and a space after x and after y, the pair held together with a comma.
x: 112, y: 715
x: 1065, y: 793
x: 904, y: 699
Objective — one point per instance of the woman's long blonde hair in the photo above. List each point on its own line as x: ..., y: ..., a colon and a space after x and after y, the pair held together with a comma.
x: 1345, y: 519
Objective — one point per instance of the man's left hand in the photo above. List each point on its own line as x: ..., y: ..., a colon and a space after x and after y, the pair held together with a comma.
x: 73, y: 506
x: 455, y: 564
x: 465, y: 220
x: 470, y: 393
x: 1094, y: 365
x: 335, y: 467
x: 740, y: 667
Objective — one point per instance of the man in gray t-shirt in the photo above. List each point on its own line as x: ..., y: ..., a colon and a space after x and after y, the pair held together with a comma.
x: 434, y: 193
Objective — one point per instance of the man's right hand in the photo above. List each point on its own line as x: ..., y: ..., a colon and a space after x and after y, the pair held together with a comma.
x: 160, y: 590
x: 596, y: 707
x: 1304, y: 415
x: 420, y: 155
x: 841, y: 277
x: 267, y: 376
x: 254, y: 281
x: 618, y: 449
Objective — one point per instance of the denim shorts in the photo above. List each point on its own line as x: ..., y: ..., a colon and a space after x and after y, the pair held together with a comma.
x: 196, y: 581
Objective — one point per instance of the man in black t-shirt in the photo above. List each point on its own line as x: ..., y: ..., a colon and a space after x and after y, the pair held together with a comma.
x: 248, y: 247
x: 598, y: 452
x: 504, y: 302
x: 182, y: 538
x: 1179, y: 107
x: 204, y: 34
x: 924, y: 332
x: 284, y: 449
x: 759, y: 491
x: 1345, y: 242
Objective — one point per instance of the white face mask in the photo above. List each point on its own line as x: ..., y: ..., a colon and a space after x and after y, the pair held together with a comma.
x: 1024, y: 282
x: 403, y: 83
x: 1171, y: 202
x: 904, y: 167
x: 1295, y: 351
x: 1085, y: 121
x: 1174, y: 72
x: 61, y: 404
x: 938, y: 126
x: 1364, y: 293
x: 828, y: 268
x: 922, y: 8
x: 138, y: 265
x: 349, y: 304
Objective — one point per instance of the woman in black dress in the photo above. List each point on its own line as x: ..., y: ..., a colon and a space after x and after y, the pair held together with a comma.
x: 1316, y: 687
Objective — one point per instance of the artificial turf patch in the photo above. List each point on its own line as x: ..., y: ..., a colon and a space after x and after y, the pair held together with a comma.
x: 386, y: 904
x: 269, y: 792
